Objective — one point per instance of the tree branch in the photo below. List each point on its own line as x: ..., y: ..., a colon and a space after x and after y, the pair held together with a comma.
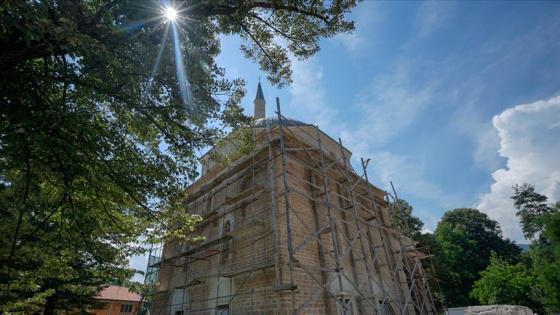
x: 256, y: 16
x: 28, y: 237
x: 108, y: 6
x: 260, y: 46
x: 210, y: 9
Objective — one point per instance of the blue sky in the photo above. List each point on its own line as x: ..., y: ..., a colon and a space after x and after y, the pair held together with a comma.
x: 442, y: 96
x: 454, y: 102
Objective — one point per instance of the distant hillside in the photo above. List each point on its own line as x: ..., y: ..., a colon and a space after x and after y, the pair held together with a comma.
x: 524, y: 247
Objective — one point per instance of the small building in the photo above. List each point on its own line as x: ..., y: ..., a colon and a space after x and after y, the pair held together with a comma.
x: 118, y: 300
x: 290, y: 229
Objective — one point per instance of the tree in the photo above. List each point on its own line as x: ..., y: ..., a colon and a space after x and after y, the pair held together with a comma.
x: 104, y: 105
x: 403, y: 219
x: 466, y: 238
x: 531, y: 206
x: 546, y: 261
x: 537, y: 216
x: 411, y: 226
x: 544, y: 256
x: 504, y: 283
x: 427, y: 244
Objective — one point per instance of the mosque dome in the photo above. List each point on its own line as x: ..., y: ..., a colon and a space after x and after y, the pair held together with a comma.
x: 272, y: 121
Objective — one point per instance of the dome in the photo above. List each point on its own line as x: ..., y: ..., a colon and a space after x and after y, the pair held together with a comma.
x: 271, y: 121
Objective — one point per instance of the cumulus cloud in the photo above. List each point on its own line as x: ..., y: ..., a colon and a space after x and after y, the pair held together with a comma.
x: 470, y: 120
x: 487, y: 142
x: 530, y: 141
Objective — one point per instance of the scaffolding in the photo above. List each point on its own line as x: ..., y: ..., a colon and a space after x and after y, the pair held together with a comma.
x: 291, y: 228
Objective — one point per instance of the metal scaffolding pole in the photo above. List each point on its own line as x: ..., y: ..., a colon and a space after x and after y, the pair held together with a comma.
x: 292, y: 228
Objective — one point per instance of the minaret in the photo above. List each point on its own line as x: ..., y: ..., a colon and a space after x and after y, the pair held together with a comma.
x: 258, y: 103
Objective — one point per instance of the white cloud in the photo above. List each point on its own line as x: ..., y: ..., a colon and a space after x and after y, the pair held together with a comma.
x: 388, y: 106
x: 469, y: 119
x: 368, y: 19
x: 431, y: 17
x: 424, y: 231
x: 353, y: 42
x: 530, y: 142
x: 487, y: 144
x: 308, y: 94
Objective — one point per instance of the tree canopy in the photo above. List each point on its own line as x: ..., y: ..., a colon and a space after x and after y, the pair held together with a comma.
x: 466, y: 240
x: 403, y: 219
x: 533, y: 282
x: 531, y: 207
x: 504, y: 283
x: 537, y: 216
x: 104, y: 106
x: 546, y: 261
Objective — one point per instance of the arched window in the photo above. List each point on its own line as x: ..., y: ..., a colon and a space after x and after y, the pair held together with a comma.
x: 226, y: 245
x: 344, y: 290
x: 177, y: 302
x: 221, y: 296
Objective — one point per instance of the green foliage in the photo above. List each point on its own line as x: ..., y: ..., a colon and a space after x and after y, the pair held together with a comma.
x: 427, y: 243
x: 466, y: 238
x: 545, y: 258
x: 456, y: 264
x: 531, y: 206
x: 411, y: 226
x: 403, y: 219
x: 503, y: 283
x: 537, y: 216
x: 97, y: 144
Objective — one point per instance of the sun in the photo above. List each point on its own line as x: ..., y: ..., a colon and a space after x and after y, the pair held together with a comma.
x: 171, y: 14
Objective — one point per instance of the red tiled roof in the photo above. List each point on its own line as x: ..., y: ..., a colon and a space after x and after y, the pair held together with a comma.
x: 117, y: 293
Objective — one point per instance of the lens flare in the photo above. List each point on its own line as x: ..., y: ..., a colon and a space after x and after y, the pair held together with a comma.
x: 184, y: 84
x: 171, y: 14
x: 156, y: 65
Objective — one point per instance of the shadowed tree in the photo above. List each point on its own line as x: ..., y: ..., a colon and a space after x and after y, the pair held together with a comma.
x: 104, y: 105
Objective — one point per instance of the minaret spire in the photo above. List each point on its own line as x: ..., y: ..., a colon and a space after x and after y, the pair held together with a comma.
x: 258, y: 103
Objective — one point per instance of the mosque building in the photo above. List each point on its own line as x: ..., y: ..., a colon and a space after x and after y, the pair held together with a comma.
x: 290, y: 229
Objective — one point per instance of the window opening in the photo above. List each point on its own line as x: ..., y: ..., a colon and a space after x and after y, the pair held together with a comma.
x: 383, y: 309
x: 347, y: 309
x: 226, y: 244
x: 222, y: 310
x: 209, y: 203
x: 126, y: 308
